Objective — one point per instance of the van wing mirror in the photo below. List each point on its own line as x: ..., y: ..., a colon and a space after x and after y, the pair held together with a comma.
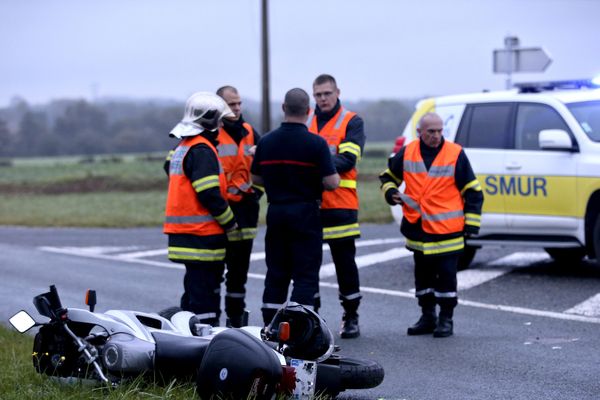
x: 22, y: 321
x: 555, y: 139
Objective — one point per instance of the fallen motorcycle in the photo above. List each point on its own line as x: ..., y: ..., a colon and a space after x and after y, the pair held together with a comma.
x: 295, y: 355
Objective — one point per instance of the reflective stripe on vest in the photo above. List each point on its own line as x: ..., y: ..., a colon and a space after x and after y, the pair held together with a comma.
x: 236, y: 160
x: 184, y: 214
x: 334, y: 131
x: 341, y: 231
x: 432, y: 195
x: 433, y: 248
x: 192, y: 254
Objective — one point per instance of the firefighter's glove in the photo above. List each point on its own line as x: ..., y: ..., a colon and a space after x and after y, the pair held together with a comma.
x: 233, y: 233
x: 471, y: 230
x: 392, y: 197
x: 257, y: 192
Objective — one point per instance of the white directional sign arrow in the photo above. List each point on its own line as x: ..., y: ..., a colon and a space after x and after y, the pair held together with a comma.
x: 531, y: 59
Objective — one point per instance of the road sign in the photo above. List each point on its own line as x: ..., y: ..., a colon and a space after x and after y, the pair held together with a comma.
x: 529, y: 59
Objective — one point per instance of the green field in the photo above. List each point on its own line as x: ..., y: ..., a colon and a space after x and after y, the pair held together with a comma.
x: 125, y: 190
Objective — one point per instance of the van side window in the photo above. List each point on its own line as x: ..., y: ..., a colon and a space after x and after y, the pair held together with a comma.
x: 486, y: 126
x: 531, y: 119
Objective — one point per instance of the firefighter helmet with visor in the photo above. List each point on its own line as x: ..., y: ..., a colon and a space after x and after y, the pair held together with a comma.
x: 203, y: 111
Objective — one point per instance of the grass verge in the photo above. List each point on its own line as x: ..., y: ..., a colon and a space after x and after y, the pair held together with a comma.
x: 127, y: 191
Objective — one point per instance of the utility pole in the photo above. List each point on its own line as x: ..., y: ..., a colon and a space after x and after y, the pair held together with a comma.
x: 266, y: 101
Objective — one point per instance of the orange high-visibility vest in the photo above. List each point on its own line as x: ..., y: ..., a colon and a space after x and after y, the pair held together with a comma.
x: 432, y: 195
x: 334, y: 132
x: 236, y: 160
x: 184, y: 213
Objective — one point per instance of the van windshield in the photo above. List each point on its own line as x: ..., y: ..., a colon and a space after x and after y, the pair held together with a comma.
x: 587, y: 114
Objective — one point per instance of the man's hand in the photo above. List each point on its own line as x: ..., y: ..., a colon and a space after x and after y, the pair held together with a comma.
x: 471, y: 231
x: 232, y: 228
x: 233, y: 233
x: 397, y: 199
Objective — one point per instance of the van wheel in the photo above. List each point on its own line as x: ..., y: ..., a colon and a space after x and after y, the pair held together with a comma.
x: 467, y: 256
x: 596, y: 239
x: 566, y: 255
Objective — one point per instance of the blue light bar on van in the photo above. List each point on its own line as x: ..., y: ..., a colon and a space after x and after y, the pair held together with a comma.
x: 536, y: 87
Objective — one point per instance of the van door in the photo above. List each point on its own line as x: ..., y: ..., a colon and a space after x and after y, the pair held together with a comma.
x: 539, y: 185
x: 485, y: 133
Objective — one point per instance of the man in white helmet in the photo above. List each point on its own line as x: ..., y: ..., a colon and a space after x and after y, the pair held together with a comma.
x: 198, y: 216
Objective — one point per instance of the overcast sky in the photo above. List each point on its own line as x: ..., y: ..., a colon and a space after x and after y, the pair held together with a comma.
x: 375, y: 48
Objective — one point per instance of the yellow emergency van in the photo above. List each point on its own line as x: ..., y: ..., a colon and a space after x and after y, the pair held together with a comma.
x: 536, y: 153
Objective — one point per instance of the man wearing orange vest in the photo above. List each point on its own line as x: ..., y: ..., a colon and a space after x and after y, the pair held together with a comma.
x: 237, y: 142
x: 441, y: 204
x: 197, y: 213
x: 344, y: 133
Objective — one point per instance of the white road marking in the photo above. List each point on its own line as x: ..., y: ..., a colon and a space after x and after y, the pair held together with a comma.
x: 98, y: 253
x: 257, y: 256
x: 470, y: 278
x: 328, y: 270
x: 474, y: 277
x: 147, y: 253
x: 377, y: 242
x: 589, y: 308
x: 96, y: 249
x: 521, y: 259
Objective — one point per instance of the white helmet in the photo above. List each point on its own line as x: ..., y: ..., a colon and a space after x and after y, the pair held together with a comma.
x: 203, y: 111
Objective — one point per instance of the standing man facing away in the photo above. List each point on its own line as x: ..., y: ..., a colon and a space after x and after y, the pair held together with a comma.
x: 197, y: 213
x: 343, y: 130
x: 441, y: 205
x: 237, y: 140
x: 294, y: 166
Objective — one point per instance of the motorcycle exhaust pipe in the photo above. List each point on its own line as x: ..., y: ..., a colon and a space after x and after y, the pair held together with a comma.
x: 127, y: 354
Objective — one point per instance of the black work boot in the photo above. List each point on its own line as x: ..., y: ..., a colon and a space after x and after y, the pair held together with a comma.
x: 237, y: 321
x: 444, y: 327
x: 425, y: 325
x: 350, y: 328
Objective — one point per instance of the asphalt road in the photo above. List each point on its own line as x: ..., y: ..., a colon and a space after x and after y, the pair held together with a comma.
x: 526, y: 327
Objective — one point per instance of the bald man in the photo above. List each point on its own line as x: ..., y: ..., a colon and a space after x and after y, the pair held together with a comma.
x: 441, y: 204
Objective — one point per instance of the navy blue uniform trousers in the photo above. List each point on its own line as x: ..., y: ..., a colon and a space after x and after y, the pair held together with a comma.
x: 293, y: 247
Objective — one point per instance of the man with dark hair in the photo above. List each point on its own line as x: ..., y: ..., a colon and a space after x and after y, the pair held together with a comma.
x: 441, y: 204
x: 343, y: 130
x: 237, y: 140
x: 294, y: 166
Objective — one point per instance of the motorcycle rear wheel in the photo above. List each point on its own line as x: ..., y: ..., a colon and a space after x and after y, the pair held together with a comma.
x: 360, y: 374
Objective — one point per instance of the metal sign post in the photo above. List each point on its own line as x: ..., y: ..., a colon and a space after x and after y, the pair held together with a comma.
x: 513, y: 58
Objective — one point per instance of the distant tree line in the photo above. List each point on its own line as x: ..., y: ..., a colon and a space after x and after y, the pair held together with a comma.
x: 80, y: 127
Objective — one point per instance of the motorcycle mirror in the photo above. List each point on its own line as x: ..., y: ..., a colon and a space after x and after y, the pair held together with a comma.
x: 90, y: 299
x: 284, y: 331
x: 22, y: 321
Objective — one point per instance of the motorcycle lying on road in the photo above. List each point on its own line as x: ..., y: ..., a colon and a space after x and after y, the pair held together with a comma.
x: 294, y: 356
